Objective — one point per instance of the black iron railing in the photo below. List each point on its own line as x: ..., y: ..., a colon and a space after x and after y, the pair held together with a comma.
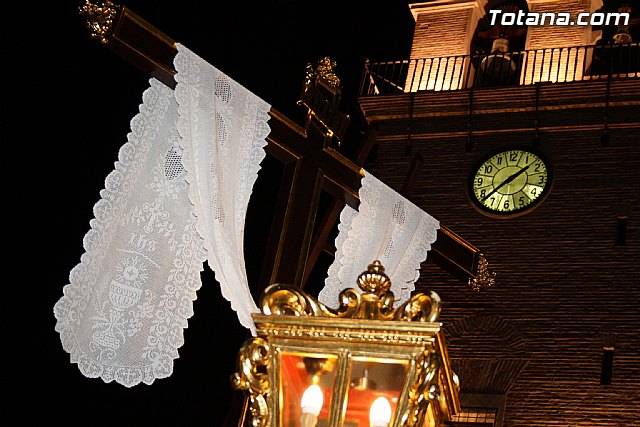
x: 525, y: 67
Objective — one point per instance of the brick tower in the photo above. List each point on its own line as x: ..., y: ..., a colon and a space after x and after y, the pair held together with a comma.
x: 526, y: 140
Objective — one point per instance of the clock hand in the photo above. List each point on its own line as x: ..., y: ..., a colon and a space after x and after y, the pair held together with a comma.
x: 506, y: 181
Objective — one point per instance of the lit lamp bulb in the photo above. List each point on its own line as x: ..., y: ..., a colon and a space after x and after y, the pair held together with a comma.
x: 380, y: 413
x: 312, y: 400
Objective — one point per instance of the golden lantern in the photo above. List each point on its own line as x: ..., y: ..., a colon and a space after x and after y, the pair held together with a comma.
x: 365, y: 364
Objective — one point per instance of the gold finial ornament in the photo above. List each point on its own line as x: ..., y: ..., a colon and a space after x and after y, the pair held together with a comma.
x: 324, y: 69
x: 485, y: 278
x: 300, y: 343
x: 320, y: 95
x: 100, y: 18
x: 374, y: 281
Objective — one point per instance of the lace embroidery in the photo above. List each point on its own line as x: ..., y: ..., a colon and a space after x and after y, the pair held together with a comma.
x: 179, y: 193
x: 122, y: 314
x: 223, y: 177
x: 386, y: 227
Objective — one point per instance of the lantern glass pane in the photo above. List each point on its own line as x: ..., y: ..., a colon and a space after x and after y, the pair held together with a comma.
x: 371, y: 379
x: 298, y: 373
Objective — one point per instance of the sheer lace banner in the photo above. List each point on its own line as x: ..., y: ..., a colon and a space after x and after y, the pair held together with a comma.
x: 386, y: 227
x: 122, y: 315
x: 162, y: 211
x: 226, y: 126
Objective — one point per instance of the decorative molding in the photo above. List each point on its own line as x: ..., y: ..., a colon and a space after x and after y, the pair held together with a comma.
x: 100, y: 18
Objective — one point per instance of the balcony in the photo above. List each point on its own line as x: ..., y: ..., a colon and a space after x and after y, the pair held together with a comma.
x: 502, y: 69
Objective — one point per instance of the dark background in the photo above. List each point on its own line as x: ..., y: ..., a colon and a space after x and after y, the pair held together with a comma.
x: 66, y: 106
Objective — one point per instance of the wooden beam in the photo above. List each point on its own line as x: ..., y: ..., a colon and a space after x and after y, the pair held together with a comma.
x: 144, y: 46
x: 312, y: 166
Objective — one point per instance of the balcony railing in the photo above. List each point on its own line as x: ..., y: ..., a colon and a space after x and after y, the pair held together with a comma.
x: 525, y: 67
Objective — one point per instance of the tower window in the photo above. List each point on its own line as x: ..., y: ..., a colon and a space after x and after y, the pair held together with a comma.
x: 621, y: 231
x: 607, y: 366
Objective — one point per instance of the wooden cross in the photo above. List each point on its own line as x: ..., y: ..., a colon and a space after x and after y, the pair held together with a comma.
x: 311, y: 163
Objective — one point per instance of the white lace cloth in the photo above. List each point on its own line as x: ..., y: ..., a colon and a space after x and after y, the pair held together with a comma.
x: 174, y: 198
x: 214, y: 108
x: 386, y: 227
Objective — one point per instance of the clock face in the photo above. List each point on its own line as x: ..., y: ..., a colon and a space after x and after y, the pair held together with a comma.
x: 510, y: 181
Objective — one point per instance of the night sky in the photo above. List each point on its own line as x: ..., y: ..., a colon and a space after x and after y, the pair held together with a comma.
x: 66, y: 106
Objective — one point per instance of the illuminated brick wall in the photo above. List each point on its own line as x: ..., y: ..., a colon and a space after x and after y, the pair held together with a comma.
x: 442, y: 30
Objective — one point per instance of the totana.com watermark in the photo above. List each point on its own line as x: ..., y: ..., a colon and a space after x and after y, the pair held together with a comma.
x: 561, y: 18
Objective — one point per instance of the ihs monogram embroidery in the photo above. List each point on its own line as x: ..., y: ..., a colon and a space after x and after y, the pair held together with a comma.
x: 119, y: 321
x: 129, y: 301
